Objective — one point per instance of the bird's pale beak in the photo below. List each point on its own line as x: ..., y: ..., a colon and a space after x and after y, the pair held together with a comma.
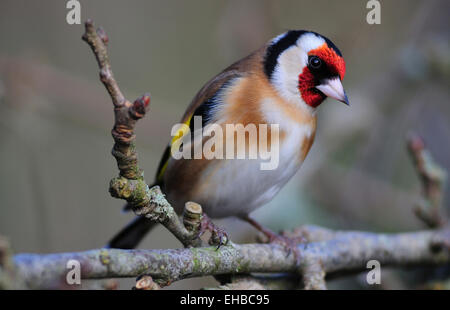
x: 333, y: 88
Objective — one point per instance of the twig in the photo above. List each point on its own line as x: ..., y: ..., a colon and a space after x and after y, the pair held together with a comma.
x: 8, y: 275
x: 146, y: 283
x: 130, y: 184
x: 433, y: 179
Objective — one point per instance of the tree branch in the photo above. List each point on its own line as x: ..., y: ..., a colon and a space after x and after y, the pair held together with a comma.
x: 346, y: 251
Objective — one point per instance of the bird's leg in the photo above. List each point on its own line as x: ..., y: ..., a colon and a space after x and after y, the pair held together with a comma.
x: 289, y: 244
x: 218, y: 237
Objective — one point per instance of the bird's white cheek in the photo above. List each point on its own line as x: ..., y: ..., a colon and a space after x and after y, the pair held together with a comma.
x: 285, y: 76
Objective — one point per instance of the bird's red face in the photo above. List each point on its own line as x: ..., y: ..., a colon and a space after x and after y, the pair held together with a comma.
x: 322, y: 76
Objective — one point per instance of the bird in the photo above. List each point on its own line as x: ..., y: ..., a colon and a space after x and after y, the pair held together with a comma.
x: 283, y: 83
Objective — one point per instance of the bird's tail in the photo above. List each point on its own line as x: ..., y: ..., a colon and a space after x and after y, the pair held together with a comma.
x: 130, y: 236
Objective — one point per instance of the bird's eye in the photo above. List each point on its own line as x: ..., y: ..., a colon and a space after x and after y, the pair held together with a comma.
x: 315, y: 62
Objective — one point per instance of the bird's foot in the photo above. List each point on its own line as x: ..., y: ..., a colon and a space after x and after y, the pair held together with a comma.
x: 219, y: 236
x: 289, y: 244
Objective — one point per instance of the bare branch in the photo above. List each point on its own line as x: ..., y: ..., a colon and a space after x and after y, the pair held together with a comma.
x: 433, y: 179
x: 345, y: 252
x: 98, y: 40
x: 130, y: 184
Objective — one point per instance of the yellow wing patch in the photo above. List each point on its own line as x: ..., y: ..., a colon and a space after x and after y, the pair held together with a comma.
x: 174, y: 144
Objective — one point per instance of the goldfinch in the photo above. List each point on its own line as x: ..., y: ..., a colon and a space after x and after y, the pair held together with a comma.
x: 280, y: 84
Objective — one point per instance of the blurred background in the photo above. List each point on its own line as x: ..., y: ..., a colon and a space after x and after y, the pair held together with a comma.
x: 55, y: 116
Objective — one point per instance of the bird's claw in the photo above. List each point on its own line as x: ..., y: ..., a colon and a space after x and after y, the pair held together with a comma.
x: 219, y: 236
